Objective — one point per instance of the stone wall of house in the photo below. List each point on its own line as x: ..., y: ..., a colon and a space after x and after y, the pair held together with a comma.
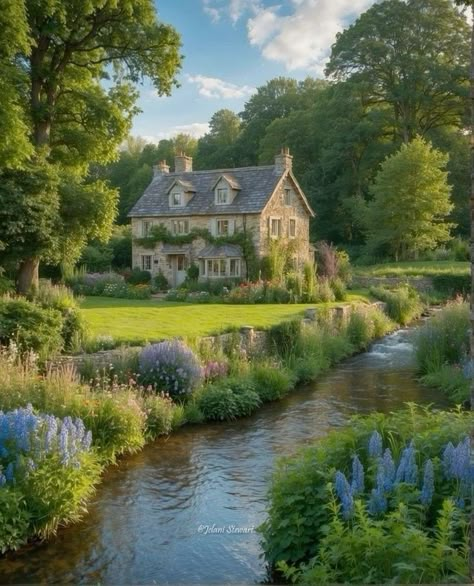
x: 276, y: 208
x: 248, y: 339
x: 421, y: 284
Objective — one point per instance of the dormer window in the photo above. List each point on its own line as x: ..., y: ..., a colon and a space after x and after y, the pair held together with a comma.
x: 222, y: 196
x: 176, y: 199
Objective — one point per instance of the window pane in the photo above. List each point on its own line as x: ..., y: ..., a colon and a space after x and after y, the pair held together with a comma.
x: 176, y: 199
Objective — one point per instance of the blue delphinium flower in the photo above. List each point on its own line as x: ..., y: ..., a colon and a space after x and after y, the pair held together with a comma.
x: 10, y: 473
x: 343, y: 491
x: 377, y: 502
x: 447, y: 460
x: 427, y: 490
x: 387, y: 465
x: 375, y: 445
x: 357, y: 485
x: 456, y: 461
x: 407, y: 470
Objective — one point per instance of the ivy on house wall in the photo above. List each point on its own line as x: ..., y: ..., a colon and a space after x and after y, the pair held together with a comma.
x: 160, y: 233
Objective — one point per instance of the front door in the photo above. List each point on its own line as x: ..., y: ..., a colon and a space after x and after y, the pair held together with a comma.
x: 180, y: 266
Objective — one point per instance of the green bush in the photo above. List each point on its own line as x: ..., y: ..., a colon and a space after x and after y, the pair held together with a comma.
x: 271, y: 381
x: 160, y: 282
x: 247, y: 402
x: 452, y: 284
x: 217, y: 403
x: 14, y: 519
x: 403, y: 303
x: 6, y: 285
x: 444, y: 339
x: 139, y: 277
x: 326, y: 294
x: 30, y: 327
x: 298, y: 515
x: 193, y: 414
x: 159, y: 418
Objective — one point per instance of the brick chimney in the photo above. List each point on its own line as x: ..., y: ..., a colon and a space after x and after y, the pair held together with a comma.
x: 160, y: 169
x: 283, y: 161
x: 182, y: 163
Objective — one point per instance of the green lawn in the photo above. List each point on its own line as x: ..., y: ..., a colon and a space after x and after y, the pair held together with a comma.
x: 147, y: 320
x: 414, y: 269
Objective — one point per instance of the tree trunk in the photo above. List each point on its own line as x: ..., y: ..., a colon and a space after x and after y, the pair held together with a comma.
x: 28, y: 275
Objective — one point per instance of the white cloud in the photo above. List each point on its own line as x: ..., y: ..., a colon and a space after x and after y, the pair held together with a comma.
x: 303, y: 38
x: 195, y: 129
x: 233, y: 9
x: 213, y: 87
x: 211, y: 11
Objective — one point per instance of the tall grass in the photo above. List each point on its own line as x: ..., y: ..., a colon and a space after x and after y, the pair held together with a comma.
x: 442, y: 347
x: 403, y: 304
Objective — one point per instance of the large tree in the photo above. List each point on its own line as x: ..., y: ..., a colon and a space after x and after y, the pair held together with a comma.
x: 216, y: 149
x: 411, y: 202
x: 412, y: 56
x: 76, y: 75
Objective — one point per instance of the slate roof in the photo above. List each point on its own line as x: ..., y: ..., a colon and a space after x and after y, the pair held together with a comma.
x: 220, y: 250
x: 256, y: 186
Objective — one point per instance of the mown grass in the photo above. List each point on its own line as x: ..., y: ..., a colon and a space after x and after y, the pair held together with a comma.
x: 138, y: 321
x: 414, y: 269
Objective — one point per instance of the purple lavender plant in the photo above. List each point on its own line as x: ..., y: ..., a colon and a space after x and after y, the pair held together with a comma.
x: 171, y: 367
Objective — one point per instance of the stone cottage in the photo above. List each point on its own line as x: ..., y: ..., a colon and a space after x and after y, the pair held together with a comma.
x: 265, y: 202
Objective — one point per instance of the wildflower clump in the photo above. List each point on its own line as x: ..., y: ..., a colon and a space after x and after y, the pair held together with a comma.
x: 171, y: 367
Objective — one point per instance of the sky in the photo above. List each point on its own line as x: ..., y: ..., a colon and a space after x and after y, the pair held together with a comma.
x: 230, y: 47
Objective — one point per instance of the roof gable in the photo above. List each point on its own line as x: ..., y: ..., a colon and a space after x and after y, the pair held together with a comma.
x: 256, y: 187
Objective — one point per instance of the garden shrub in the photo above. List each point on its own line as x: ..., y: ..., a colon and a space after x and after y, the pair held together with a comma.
x: 6, y: 285
x: 106, y: 285
x: 193, y: 414
x: 326, y: 294
x: 452, y: 284
x: 171, y: 367
x: 271, y: 381
x: 403, y: 303
x: 139, y: 277
x: 247, y: 402
x: 217, y: 403
x: 31, y: 327
x: 452, y: 381
x: 14, y: 519
x: 160, y: 282
x: 300, y: 496
x: 310, y: 293
x: 159, y: 418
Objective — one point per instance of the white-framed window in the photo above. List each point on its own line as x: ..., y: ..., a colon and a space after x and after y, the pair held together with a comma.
x: 222, y: 227
x: 180, y: 227
x: 222, y: 267
x: 275, y: 227
x: 222, y: 195
x: 176, y: 199
x: 146, y: 262
x: 234, y: 267
x: 287, y: 197
x: 292, y: 228
x: 146, y: 226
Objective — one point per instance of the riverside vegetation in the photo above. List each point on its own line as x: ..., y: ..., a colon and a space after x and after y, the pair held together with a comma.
x: 59, y: 428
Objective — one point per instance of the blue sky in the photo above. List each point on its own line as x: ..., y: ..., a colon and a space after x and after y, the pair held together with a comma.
x: 232, y: 46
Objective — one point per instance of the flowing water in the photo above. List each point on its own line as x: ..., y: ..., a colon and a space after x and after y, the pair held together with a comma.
x: 183, y: 511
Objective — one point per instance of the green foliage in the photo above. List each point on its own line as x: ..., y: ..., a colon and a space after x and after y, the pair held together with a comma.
x: 272, y: 381
x: 30, y: 327
x: 444, y: 339
x: 160, y: 282
x: 217, y: 403
x: 452, y: 284
x: 283, y: 337
x: 394, y: 548
x: 403, y: 303
x: 449, y: 379
x: 14, y: 520
x: 298, y: 519
x: 339, y: 289
x: 160, y: 410
x: 138, y: 277
x: 360, y: 330
x: 411, y: 202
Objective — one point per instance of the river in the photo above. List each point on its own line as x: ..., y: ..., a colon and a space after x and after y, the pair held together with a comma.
x: 183, y: 511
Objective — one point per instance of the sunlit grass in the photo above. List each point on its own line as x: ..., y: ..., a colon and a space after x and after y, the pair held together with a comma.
x: 414, y: 269
x: 148, y: 320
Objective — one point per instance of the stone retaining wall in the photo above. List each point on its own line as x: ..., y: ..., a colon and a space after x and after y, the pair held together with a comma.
x: 421, y: 284
x: 247, y: 339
